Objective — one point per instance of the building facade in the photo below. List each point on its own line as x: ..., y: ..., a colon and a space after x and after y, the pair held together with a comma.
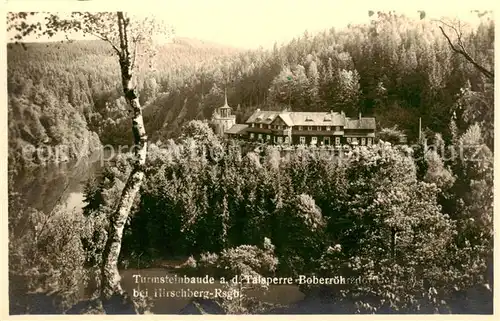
x: 305, y: 128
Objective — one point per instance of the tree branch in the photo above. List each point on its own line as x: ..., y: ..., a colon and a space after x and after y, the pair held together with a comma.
x: 105, y: 38
x: 136, y: 45
x: 120, y: 35
x: 461, y: 50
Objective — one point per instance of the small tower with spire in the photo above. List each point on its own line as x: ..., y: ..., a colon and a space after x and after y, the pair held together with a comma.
x: 222, y: 119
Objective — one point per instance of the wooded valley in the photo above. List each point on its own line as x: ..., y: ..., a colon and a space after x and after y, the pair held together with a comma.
x: 417, y: 221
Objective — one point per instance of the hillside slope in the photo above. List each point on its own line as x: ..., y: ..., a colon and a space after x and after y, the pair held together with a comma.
x: 395, y: 68
x: 65, y: 94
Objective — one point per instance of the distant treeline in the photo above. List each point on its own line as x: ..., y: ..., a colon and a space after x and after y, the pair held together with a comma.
x: 394, y: 68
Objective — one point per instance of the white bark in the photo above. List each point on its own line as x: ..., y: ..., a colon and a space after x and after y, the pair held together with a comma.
x: 110, y: 277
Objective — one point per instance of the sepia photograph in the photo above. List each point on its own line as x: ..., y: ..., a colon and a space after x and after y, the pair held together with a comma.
x: 230, y: 157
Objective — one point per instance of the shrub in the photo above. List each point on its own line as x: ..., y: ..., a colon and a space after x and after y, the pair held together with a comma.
x: 47, y: 256
x: 392, y: 135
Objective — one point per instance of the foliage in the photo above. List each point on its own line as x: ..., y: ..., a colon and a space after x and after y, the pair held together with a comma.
x: 248, y: 260
x: 305, y: 224
x: 436, y: 172
x: 244, y: 260
x: 46, y: 254
x: 392, y: 135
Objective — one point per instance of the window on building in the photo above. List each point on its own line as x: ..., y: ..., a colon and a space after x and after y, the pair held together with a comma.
x: 309, y: 128
x: 363, y: 141
x: 354, y: 140
x: 300, y: 127
x: 252, y: 135
x: 348, y: 139
x: 314, y: 140
x: 337, y: 140
x: 338, y: 128
x: 268, y: 137
x: 253, y: 125
x: 326, y: 140
x: 328, y: 128
x: 302, y: 140
x: 279, y: 126
x: 280, y: 140
x: 369, y: 141
x: 318, y: 128
x: 259, y: 137
x: 260, y: 125
x: 287, y: 139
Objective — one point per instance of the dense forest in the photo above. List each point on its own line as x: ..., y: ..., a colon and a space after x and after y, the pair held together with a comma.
x: 68, y: 93
x: 415, y: 221
x: 395, y: 68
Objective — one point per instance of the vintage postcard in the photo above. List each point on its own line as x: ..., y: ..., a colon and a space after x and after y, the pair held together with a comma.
x: 258, y: 157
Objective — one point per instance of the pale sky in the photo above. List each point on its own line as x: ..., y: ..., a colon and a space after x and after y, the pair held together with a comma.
x: 254, y: 23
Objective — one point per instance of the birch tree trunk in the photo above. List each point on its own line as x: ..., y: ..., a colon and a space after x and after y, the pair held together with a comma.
x: 110, y: 277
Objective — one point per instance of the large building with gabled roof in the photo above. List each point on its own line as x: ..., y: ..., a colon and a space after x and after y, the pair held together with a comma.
x: 306, y: 128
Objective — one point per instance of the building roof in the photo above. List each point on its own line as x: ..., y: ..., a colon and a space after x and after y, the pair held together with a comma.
x: 358, y: 135
x: 317, y: 119
x: 262, y: 117
x: 298, y: 118
x: 360, y: 123
x: 226, y: 106
x: 237, y: 129
x: 312, y: 119
x: 287, y: 119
